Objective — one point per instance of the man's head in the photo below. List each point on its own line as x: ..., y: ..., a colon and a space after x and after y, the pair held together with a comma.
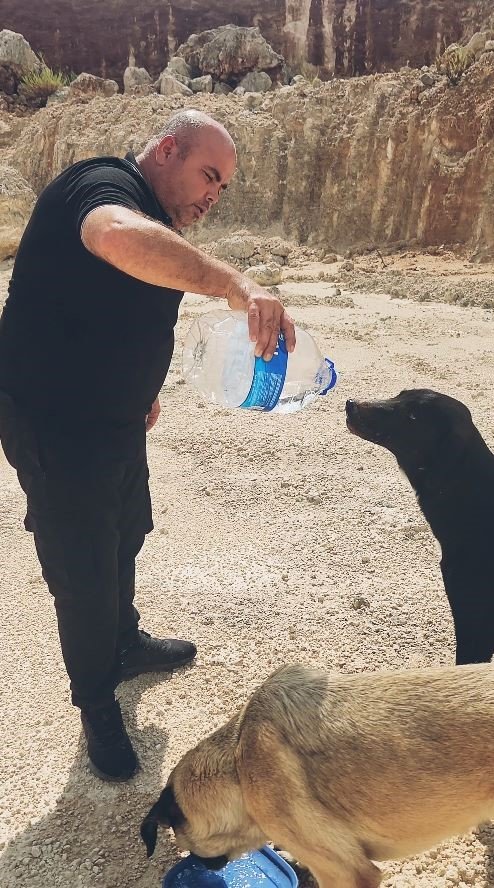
x: 188, y: 164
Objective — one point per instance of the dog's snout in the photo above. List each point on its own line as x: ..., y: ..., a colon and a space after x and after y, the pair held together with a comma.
x: 213, y: 863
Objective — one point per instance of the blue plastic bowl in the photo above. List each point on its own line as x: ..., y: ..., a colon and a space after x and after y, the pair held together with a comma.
x: 259, y: 869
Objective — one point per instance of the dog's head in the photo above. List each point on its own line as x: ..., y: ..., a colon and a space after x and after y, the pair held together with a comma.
x: 419, y: 426
x: 203, y: 804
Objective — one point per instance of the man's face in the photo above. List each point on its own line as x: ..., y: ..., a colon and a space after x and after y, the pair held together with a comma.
x: 187, y: 187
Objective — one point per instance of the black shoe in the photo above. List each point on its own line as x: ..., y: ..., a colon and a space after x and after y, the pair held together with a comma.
x: 148, y: 654
x: 110, y: 752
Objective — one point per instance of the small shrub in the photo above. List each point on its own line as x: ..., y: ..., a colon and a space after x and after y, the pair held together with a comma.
x: 454, y: 62
x: 43, y: 83
x: 309, y: 71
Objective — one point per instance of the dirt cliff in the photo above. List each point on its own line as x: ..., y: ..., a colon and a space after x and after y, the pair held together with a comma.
x: 342, y: 36
x: 349, y: 163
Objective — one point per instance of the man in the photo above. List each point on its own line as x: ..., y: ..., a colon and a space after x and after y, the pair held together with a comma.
x: 86, y: 339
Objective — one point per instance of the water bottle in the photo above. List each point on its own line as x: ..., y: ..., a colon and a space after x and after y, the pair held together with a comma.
x: 219, y: 361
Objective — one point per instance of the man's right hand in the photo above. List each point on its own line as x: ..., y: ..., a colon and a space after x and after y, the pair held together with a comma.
x: 266, y: 315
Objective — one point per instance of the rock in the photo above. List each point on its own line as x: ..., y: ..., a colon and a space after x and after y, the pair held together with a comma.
x: 178, y: 65
x: 256, y: 81
x: 61, y: 95
x: 16, y: 54
x: 17, y: 200
x: 88, y: 85
x: 136, y: 78
x: 237, y: 246
x: 477, y: 42
x: 427, y: 79
x: 297, y: 79
x: 359, y: 603
x: 489, y: 46
x: 8, y: 81
x: 229, y: 50
x: 222, y: 89
x: 265, y: 275
x: 171, y: 73
x: 239, y: 91
x: 201, y: 84
x: 170, y: 86
x: 253, y: 99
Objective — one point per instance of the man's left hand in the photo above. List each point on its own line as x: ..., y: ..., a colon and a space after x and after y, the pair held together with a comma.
x: 152, y: 416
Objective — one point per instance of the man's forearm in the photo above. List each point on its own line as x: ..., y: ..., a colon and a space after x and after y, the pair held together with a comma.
x: 153, y: 253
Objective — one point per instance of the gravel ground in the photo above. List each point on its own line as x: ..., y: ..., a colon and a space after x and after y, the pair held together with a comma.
x: 277, y: 539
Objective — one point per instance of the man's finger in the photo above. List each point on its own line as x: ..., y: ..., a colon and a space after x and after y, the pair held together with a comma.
x: 266, y: 327
x: 253, y: 321
x: 272, y: 344
x: 288, y: 330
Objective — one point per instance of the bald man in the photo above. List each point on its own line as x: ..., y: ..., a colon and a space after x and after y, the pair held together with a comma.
x: 86, y: 339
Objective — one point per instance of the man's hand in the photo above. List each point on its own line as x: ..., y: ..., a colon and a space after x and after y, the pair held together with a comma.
x: 266, y: 315
x: 153, y: 415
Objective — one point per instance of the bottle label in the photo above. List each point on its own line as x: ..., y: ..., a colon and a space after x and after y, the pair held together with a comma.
x: 268, y: 380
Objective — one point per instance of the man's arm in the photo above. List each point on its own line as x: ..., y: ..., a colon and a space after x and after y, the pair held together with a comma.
x: 157, y: 255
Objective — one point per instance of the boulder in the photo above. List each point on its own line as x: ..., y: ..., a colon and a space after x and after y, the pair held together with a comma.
x: 222, y: 89
x: 265, y: 275
x: 178, y: 65
x: 202, y: 84
x: 16, y: 54
x: 256, y: 81
x: 237, y: 246
x: 170, y: 86
x: 229, y: 51
x: 137, y: 81
x: 88, y: 85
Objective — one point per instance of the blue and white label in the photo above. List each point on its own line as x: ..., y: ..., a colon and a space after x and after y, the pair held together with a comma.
x: 268, y: 380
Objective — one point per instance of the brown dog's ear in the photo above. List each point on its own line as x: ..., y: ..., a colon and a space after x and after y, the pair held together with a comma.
x: 166, y: 812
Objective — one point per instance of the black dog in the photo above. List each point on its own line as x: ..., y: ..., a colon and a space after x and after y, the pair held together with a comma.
x: 451, y: 470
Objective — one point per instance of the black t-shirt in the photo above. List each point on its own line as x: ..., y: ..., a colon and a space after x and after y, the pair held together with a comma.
x: 85, y: 348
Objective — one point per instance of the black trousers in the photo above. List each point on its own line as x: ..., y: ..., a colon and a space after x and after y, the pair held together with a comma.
x: 89, y: 519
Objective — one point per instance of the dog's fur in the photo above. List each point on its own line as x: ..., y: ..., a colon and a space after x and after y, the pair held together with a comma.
x: 340, y: 770
x: 451, y: 470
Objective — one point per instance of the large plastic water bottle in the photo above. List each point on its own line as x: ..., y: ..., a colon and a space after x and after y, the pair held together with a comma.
x: 219, y: 361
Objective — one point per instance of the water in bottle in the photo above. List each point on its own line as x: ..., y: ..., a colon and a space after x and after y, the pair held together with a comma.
x: 219, y: 361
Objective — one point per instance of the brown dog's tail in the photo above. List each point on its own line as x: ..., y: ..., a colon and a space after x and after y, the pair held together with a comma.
x: 166, y: 812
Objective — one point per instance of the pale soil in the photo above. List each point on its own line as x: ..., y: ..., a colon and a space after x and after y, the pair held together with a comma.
x: 269, y: 532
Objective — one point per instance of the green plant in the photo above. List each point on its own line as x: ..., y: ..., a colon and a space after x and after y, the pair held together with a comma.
x: 43, y: 83
x: 309, y: 71
x: 454, y: 62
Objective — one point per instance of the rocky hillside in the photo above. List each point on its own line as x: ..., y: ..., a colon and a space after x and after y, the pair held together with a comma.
x: 342, y: 36
x: 349, y: 163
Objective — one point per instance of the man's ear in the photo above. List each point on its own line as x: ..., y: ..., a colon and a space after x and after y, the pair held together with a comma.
x: 164, y: 149
x: 167, y: 812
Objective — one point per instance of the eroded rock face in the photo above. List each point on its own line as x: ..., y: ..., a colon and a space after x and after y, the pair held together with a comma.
x: 339, y: 35
x: 348, y: 163
x: 16, y: 203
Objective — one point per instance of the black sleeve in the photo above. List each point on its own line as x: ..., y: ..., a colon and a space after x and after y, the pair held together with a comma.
x: 101, y: 185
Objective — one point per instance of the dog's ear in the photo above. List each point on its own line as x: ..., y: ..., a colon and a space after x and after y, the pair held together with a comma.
x: 167, y: 812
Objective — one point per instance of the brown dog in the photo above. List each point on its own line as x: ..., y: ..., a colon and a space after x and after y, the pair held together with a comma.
x: 340, y: 770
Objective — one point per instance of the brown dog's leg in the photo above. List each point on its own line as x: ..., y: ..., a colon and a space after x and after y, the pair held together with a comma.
x: 331, y: 874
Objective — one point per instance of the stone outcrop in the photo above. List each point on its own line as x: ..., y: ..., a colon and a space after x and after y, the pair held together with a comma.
x: 345, y: 164
x: 343, y: 36
x: 229, y: 52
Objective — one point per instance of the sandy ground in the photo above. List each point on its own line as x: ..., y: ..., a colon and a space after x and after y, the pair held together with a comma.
x: 276, y: 539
